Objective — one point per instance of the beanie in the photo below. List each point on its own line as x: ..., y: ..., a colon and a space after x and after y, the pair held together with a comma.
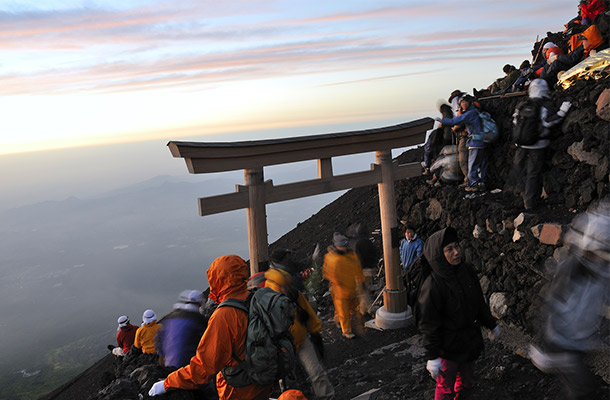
x: 339, y: 240
x: 451, y: 236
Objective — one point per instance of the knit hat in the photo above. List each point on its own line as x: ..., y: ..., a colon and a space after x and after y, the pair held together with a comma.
x: 339, y: 240
x: 149, y: 316
x: 123, y: 320
x: 451, y: 236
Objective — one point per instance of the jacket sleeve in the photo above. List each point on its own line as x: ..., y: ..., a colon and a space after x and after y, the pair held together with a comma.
x: 137, y: 342
x: 313, y: 323
x: 226, y: 327
x: 459, y: 120
x: 430, y: 321
x: 573, y: 57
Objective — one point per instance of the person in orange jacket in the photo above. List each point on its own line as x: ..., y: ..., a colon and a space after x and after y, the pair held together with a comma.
x: 292, y: 394
x: 343, y: 271
x: 225, y: 336
x: 145, y: 335
x: 306, y: 321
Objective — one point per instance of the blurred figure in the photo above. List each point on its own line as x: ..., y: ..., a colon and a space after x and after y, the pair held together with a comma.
x: 145, y: 335
x: 575, y: 303
x: 358, y: 235
x: 177, y: 339
x: 305, y: 330
x: 343, y: 271
x: 125, y: 336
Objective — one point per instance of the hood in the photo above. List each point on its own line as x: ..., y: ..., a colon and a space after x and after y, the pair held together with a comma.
x: 433, y: 251
x: 227, y: 277
x: 538, y: 89
x: 595, y: 38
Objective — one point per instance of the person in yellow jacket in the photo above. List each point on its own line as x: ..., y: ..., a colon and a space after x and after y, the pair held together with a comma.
x: 145, y: 335
x: 306, y: 321
x: 224, y: 337
x: 343, y: 271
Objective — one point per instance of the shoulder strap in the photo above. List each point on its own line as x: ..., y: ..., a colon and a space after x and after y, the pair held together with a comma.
x: 235, y: 303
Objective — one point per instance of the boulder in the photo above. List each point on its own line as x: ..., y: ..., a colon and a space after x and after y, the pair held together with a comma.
x: 603, y: 105
x: 434, y: 210
x: 497, y: 304
x: 578, y: 153
x: 551, y: 234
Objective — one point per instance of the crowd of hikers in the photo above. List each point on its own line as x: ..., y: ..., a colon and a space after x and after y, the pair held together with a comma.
x: 245, y: 334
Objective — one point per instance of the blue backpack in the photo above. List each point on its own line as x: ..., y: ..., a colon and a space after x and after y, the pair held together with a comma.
x: 489, y: 129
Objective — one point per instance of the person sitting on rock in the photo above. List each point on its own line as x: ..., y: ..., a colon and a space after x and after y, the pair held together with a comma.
x: 477, y: 158
x: 343, y: 272
x: 590, y: 39
x: 125, y: 336
x: 526, y: 173
x: 410, y: 248
x: 501, y: 85
x: 452, y: 310
x: 145, y: 335
x: 305, y: 330
x: 224, y: 340
x: 177, y: 339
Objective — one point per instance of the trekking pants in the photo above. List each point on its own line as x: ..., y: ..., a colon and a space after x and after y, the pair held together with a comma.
x: 456, y: 381
x: 320, y: 383
x: 463, y: 156
x: 477, y: 166
x: 528, y: 165
x: 345, y: 308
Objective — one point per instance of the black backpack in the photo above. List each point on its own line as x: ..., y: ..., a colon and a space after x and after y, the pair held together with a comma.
x: 419, y: 271
x: 527, y: 128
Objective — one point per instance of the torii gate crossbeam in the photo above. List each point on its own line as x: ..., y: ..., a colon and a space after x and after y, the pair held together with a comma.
x: 253, y: 156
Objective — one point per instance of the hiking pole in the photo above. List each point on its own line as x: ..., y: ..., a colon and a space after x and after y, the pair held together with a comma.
x: 539, y: 49
x: 375, y: 301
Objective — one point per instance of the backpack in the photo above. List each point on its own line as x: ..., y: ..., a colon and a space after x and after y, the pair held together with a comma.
x: 489, y: 128
x: 419, y: 271
x: 270, y: 351
x: 527, y: 126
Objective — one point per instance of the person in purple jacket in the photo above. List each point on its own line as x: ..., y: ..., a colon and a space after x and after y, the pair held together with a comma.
x: 477, y: 157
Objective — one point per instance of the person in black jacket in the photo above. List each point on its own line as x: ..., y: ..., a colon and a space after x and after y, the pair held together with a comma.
x: 452, y: 310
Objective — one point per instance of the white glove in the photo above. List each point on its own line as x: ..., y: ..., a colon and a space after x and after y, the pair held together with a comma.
x: 117, y: 351
x: 551, y: 59
x: 434, y: 367
x: 157, y: 389
x: 565, y: 107
x: 495, y: 333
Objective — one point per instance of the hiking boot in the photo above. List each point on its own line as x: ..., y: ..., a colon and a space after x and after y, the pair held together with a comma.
x: 471, y: 188
x: 426, y: 171
x: 349, y: 335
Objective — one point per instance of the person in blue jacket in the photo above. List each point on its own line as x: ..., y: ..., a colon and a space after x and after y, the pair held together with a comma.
x: 410, y: 248
x: 177, y: 340
x: 477, y: 158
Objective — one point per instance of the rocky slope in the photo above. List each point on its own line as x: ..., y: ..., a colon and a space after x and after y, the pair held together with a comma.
x: 576, y: 175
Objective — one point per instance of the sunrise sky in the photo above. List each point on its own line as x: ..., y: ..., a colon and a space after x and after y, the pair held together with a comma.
x: 78, y: 73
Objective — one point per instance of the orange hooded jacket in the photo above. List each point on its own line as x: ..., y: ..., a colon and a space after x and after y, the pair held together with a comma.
x: 276, y: 279
x: 344, y: 273
x: 225, y: 335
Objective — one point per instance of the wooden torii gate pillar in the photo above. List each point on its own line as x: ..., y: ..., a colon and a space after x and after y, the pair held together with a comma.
x: 253, y: 156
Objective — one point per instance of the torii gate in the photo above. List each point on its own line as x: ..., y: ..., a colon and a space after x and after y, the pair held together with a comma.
x: 252, y: 156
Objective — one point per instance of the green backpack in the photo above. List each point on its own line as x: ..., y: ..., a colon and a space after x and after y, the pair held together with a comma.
x: 270, y: 351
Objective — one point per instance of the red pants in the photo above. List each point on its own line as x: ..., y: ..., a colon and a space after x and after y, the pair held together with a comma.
x: 455, y: 382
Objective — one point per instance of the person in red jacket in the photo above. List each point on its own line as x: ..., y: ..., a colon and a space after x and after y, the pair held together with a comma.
x: 125, y: 336
x: 223, y: 341
x: 589, y: 9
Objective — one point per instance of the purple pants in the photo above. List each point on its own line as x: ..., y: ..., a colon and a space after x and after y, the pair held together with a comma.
x: 455, y: 382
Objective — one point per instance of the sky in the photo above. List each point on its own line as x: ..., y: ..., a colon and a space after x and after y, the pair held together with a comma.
x: 77, y: 73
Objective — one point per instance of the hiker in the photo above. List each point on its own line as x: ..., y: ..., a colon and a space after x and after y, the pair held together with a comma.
x: 145, y: 335
x: 477, y: 157
x: 590, y: 9
x: 460, y: 133
x: 305, y: 330
x: 410, y: 248
x: 526, y: 74
x: 501, y: 85
x: 577, y: 299
x: 590, y: 39
x: 452, y: 308
x: 125, y: 336
x: 529, y: 157
x: 438, y: 140
x: 223, y: 340
x: 343, y: 272
x: 358, y: 236
x: 180, y: 332
x: 549, y: 49
x: 292, y: 394
x: 446, y: 168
